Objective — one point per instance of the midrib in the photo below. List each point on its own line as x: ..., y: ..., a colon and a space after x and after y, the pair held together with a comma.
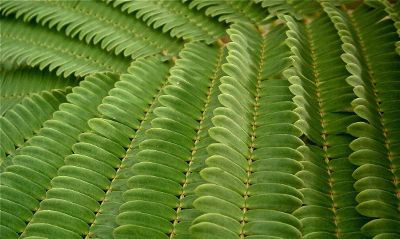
x: 253, y: 132
x: 146, y: 116
x: 324, y: 133
x: 214, y: 79
x: 371, y: 79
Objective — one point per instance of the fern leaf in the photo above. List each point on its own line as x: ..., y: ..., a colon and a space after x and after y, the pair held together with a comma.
x: 25, y: 119
x: 94, y: 21
x: 295, y: 8
x: 395, y: 16
x: 30, y: 81
x: 372, y: 78
x: 90, y: 171
x: 25, y: 181
x: 318, y: 74
x: 139, y: 74
x: 230, y: 11
x: 248, y: 192
x: 172, y: 180
x: 174, y: 17
x: 36, y: 46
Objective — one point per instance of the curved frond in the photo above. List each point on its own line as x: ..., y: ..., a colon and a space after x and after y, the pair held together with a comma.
x: 37, y: 46
x: 295, y: 8
x: 174, y: 17
x: 393, y: 10
x: 169, y: 159
x: 200, y: 119
x: 318, y: 74
x: 25, y: 182
x: 94, y: 21
x: 374, y: 73
x: 230, y: 11
x: 19, y: 83
x: 25, y: 119
x: 93, y: 172
x: 251, y: 188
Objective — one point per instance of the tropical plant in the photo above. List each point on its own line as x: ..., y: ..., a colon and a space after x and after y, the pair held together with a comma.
x: 200, y: 119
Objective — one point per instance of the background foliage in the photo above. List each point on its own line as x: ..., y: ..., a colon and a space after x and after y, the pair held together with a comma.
x: 201, y: 119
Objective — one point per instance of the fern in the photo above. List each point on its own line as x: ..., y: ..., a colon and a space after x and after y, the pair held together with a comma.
x: 247, y: 188
x: 393, y: 12
x: 178, y: 143
x: 329, y: 197
x: 230, y: 11
x: 105, y: 221
x: 23, y: 120
x: 296, y: 8
x: 199, y: 119
x: 35, y: 46
x: 374, y: 135
x: 30, y: 81
x: 24, y: 183
x: 61, y: 200
x: 174, y: 17
x: 93, y: 21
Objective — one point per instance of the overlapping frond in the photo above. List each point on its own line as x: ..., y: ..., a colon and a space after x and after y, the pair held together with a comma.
x: 36, y: 46
x: 159, y: 201
x: 174, y: 17
x: 393, y: 10
x: 251, y: 189
x: 200, y: 119
x: 94, y: 21
x: 16, y: 84
x: 25, y: 119
x: 230, y: 11
x: 105, y: 221
x: 328, y: 209
x: 86, y: 177
x: 295, y: 8
x: 371, y: 60
x: 24, y: 183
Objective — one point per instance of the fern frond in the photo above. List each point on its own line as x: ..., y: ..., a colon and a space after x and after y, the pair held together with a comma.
x: 174, y: 17
x: 394, y: 13
x: 25, y: 119
x: 105, y: 222
x: 230, y: 11
x: 37, y: 46
x: 329, y: 198
x: 24, y: 183
x: 251, y: 189
x: 374, y: 71
x: 295, y: 8
x: 169, y: 158
x: 19, y: 83
x: 94, y: 21
x: 91, y: 170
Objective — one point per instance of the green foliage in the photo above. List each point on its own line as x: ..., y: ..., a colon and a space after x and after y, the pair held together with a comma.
x: 198, y: 119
